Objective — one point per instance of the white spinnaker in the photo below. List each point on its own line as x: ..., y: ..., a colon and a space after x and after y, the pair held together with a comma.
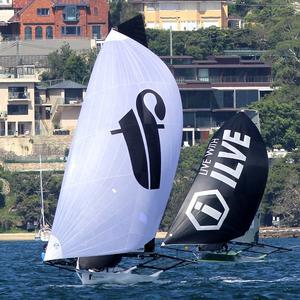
x: 102, y: 209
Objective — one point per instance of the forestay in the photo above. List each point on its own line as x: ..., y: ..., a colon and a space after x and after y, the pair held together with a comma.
x: 123, y: 156
x: 225, y: 195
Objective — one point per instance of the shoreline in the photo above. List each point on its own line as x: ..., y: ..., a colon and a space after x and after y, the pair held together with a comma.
x: 264, y: 232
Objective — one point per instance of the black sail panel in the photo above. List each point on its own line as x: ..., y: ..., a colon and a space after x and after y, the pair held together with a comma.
x: 227, y: 191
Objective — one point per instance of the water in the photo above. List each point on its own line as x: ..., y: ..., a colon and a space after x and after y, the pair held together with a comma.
x: 23, y: 276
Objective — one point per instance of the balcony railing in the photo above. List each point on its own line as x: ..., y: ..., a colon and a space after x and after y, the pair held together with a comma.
x: 223, y: 79
x: 18, y: 95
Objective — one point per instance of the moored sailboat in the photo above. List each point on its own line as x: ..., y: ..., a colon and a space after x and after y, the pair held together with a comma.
x: 121, y: 164
x: 45, y: 229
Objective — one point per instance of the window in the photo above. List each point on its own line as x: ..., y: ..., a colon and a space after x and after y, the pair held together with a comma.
x: 49, y: 32
x: 195, y: 99
x: 38, y: 33
x: 43, y: 12
x: 96, y: 32
x: 203, y: 75
x: 28, y: 33
x: 245, y: 97
x: 70, y: 13
x: 70, y: 30
x: 17, y: 109
x: 17, y: 92
x: 73, y: 96
x: 222, y: 99
x: 96, y: 11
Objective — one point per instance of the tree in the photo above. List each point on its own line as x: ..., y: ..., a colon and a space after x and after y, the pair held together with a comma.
x: 57, y: 61
x: 189, y: 163
x: 75, y: 68
x: 280, y: 118
x: 282, y: 195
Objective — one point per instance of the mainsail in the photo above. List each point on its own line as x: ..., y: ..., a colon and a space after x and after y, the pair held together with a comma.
x: 123, y: 156
x: 227, y: 191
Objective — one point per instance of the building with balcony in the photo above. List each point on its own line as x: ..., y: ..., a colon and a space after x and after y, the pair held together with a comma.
x: 58, y: 107
x: 59, y: 19
x: 17, y: 109
x: 214, y: 89
x: 183, y: 15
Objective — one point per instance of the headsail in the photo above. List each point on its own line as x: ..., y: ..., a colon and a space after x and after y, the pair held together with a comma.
x: 225, y: 195
x: 123, y: 156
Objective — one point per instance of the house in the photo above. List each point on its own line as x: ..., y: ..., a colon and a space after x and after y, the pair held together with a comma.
x: 6, y: 12
x: 17, y: 106
x: 213, y: 90
x: 59, y: 19
x: 58, y: 107
x: 183, y: 15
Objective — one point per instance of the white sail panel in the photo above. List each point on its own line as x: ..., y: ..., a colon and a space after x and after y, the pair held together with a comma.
x: 110, y: 202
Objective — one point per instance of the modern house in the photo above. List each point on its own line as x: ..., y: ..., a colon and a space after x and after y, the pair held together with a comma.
x: 58, y: 107
x: 213, y: 90
x: 183, y: 15
x: 59, y: 19
x: 17, y: 105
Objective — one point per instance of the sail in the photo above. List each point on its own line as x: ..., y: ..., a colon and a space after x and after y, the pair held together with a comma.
x: 227, y: 191
x: 252, y: 234
x: 123, y: 155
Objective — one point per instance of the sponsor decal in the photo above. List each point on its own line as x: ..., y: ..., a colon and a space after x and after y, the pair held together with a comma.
x: 143, y: 141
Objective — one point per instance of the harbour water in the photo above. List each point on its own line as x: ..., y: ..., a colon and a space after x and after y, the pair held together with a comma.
x: 23, y: 276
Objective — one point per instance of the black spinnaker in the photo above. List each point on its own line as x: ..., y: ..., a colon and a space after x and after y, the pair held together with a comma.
x: 227, y: 191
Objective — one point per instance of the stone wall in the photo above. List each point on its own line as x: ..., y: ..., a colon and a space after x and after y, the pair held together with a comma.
x: 34, y: 146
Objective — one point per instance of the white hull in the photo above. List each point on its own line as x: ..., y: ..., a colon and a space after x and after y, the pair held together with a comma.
x: 115, y: 277
x: 43, y: 234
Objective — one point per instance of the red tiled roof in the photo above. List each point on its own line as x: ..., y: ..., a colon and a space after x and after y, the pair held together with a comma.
x: 19, y: 4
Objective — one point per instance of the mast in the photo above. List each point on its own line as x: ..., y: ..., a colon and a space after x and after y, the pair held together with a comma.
x: 42, y: 194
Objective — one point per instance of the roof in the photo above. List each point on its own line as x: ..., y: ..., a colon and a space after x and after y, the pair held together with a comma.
x: 68, y: 84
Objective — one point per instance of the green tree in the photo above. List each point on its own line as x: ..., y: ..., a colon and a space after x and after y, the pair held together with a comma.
x: 282, y: 195
x: 280, y: 120
x: 75, y: 68
x: 189, y: 163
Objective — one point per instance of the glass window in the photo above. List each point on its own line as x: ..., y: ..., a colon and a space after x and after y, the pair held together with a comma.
x: 96, y: 11
x: 245, y: 97
x: 203, y: 75
x: 17, y: 109
x: 264, y: 93
x: 49, y: 32
x: 185, y: 74
x: 70, y: 30
x: 71, y: 13
x: 195, y: 99
x: 28, y: 33
x: 17, y: 93
x: 73, y: 96
x: 96, y: 32
x: 38, y: 33
x: 222, y: 99
x: 189, y: 119
x: 43, y: 12
x: 203, y: 119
